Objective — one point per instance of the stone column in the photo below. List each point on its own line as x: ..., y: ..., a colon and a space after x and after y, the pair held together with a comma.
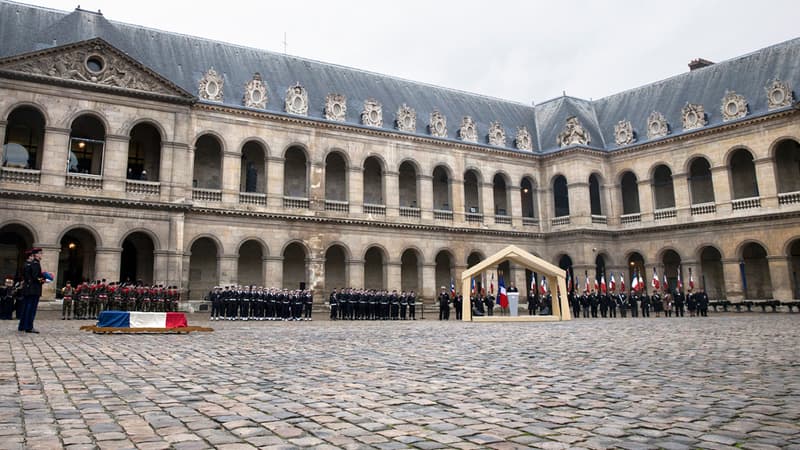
x: 115, y: 163
x: 49, y: 263
x: 185, y: 263
x: 356, y: 273
x: 426, y: 196
x: 546, y: 209
x: 231, y: 177
x: 487, y: 202
x: 780, y: 275
x: 160, y: 272
x: 646, y: 200
x: 680, y: 188
x: 228, y: 269
x: 176, y: 262
x: 172, y: 171
x: 55, y: 157
x: 517, y: 277
x: 274, y: 268
x: 275, y: 187
x: 392, y: 199
x: 613, y: 199
x: 457, y: 199
x: 393, y: 271
x: 189, y: 174
x: 720, y: 179
x: 107, y: 263
x: 429, y: 288
x: 515, y: 205
x: 767, y: 182
x: 733, y: 279
x: 316, y: 190
x: 580, y: 207
x: 355, y: 189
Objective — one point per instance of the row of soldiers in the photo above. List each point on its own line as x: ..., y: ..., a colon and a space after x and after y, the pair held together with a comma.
x: 259, y: 303
x: 87, y: 300
x: 372, y: 304
x: 607, y: 304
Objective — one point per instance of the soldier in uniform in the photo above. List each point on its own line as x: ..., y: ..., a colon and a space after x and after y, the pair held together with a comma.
x: 7, y: 299
x: 691, y: 304
x: 444, y: 305
x: 594, y: 302
x: 645, y: 305
x: 612, y: 306
x: 403, y: 305
x: 458, y: 303
x: 488, y: 302
x: 622, y: 303
x: 394, y: 302
x: 33, y: 278
x: 334, y: 304
x: 702, y: 303
x: 308, y: 304
x: 574, y: 303
x: 68, y: 293
x: 633, y: 302
x: 586, y: 304
x: 412, y: 305
x: 679, y: 300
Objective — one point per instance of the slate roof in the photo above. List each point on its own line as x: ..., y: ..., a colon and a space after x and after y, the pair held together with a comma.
x: 185, y: 59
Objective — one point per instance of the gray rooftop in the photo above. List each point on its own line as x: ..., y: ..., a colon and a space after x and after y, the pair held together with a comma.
x: 185, y: 59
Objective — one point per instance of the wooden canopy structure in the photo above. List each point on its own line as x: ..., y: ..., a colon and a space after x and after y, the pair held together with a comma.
x: 556, y: 279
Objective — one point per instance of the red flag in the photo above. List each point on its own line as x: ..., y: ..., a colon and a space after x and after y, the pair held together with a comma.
x: 655, y: 282
x: 603, y: 284
x: 621, y: 282
x: 635, y: 282
x: 613, y: 284
x: 491, y: 285
x: 680, y: 280
x: 502, y: 297
x: 586, y: 286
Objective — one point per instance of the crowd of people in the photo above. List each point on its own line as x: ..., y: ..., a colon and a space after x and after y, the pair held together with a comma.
x: 87, y: 300
x: 672, y: 303
x: 372, y: 304
x: 259, y: 303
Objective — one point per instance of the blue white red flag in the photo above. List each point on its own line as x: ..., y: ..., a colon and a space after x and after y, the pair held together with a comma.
x: 502, y: 297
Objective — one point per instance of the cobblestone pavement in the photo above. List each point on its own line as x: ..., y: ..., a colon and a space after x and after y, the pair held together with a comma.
x: 726, y: 381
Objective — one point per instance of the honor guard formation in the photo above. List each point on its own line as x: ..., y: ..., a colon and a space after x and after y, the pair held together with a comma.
x: 371, y: 304
x: 259, y: 303
x: 588, y: 304
x: 86, y: 300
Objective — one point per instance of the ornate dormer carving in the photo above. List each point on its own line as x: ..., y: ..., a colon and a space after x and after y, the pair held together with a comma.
x: 468, y: 131
x: 255, y: 93
x: 779, y: 94
x: 336, y: 107
x: 734, y: 106
x: 210, y: 87
x: 523, y: 140
x: 438, y: 124
x: 296, y: 100
x: 573, y: 134
x: 373, y: 113
x: 406, y: 118
x: 657, y: 125
x: 623, y: 133
x: 693, y: 116
x: 497, y: 135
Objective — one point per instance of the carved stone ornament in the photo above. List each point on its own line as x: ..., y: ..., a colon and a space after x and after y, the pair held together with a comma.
x: 623, y: 133
x: 406, y: 118
x: 93, y: 62
x: 468, y: 131
x: 693, y: 116
x: 438, y: 124
x: 779, y: 94
x: 255, y: 93
x: 734, y: 106
x: 210, y: 87
x: 336, y: 107
x: 497, y: 135
x: 657, y: 125
x: 296, y: 100
x: 373, y: 113
x: 573, y: 134
x: 524, y: 141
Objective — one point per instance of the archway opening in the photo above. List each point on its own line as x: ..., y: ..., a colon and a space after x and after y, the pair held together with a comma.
x: 207, y: 163
x: 444, y: 269
x: 712, y: 278
x: 560, y: 197
x: 86, y: 145
x: 472, y: 199
x: 663, y: 190
x: 743, y: 175
x: 251, y: 263
x: 527, y: 197
x: 294, y: 266
x: 787, y: 166
x: 700, y: 185
x: 408, y: 185
x: 335, y: 268
x: 630, y: 194
x: 441, y: 189
x: 757, y: 282
x: 203, y: 272
x: 24, y: 139
x: 635, y: 266
x: 500, y: 195
x: 672, y: 268
x: 144, y: 153
x: 594, y: 195
x: 335, y: 177
x: 137, y: 259
x: 373, y: 181
x: 76, y: 261
x: 794, y: 267
x: 253, y: 176
x: 295, y: 173
x: 409, y: 271
x: 14, y: 240
x: 374, y: 269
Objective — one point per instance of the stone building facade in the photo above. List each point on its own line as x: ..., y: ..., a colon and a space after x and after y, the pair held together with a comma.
x: 187, y: 162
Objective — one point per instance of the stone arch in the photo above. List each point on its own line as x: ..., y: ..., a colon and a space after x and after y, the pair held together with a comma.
x: 786, y: 159
x: 295, y: 264
x: 215, y: 239
x: 253, y: 167
x: 474, y: 257
x: 88, y: 112
x: 76, y: 260
x: 501, y: 185
x: 29, y: 228
x: 655, y: 166
x: 792, y: 252
x: 376, y: 260
x: 262, y: 244
x: 712, y: 275
x: 336, y: 256
x: 596, y: 193
x: 408, y: 172
x: 743, y: 177
x: 296, y: 164
x: 701, y: 186
x: 137, y: 260
x: 15, y: 238
x: 442, y: 177
x: 144, y: 152
x: 126, y: 129
x: 204, y: 254
x: 93, y: 231
x: 527, y: 190
x: 411, y: 261
x: 444, y: 261
x: 209, y: 152
x: 87, y: 143
x: 212, y: 133
x: 560, y: 189
x: 153, y: 236
x: 251, y: 253
x: 629, y: 192
x: 336, y: 164
x: 756, y: 277
x: 374, y: 170
x: 671, y: 260
x: 472, y: 180
x: 24, y: 138
x: 258, y: 140
x: 662, y: 180
x: 25, y: 104
x: 297, y: 145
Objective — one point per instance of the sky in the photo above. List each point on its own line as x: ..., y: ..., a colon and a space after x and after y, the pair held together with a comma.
x: 526, y: 52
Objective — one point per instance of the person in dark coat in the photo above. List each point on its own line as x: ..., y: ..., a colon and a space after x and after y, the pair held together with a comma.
x: 34, y: 278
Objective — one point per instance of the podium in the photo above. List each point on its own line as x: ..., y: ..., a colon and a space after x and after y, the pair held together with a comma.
x: 513, y: 303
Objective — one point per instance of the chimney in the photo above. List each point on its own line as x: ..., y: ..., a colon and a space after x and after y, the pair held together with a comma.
x: 699, y: 63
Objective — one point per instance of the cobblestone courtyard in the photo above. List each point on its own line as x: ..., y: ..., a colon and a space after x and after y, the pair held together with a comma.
x: 722, y: 382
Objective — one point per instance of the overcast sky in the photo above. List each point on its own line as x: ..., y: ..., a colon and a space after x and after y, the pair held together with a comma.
x: 521, y: 51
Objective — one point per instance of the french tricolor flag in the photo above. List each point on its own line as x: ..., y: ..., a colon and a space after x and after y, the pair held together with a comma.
x: 133, y: 319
